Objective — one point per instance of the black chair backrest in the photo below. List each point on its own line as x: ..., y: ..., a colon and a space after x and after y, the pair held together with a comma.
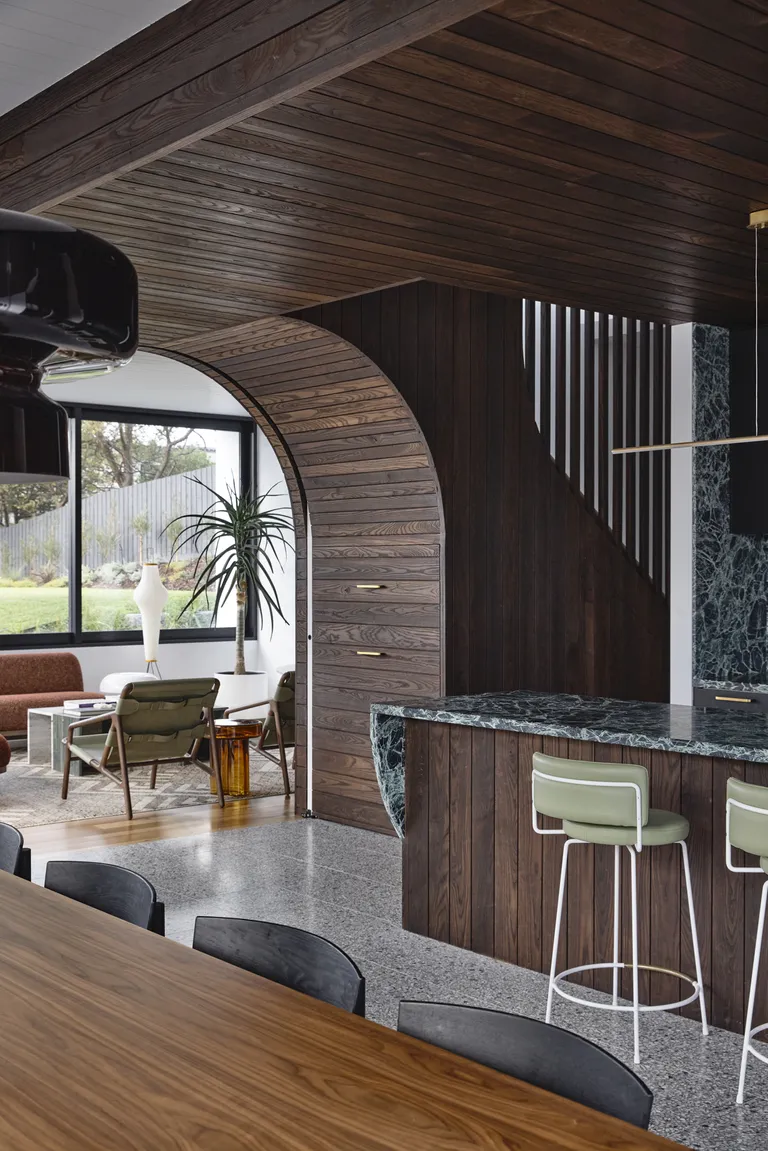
x: 11, y: 848
x: 115, y: 890
x: 535, y: 1052
x: 287, y: 955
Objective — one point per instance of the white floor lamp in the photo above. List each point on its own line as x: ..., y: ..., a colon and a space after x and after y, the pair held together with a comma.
x: 151, y: 597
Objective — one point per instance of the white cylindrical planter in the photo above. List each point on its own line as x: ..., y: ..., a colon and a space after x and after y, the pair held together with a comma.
x: 151, y: 597
x: 238, y: 690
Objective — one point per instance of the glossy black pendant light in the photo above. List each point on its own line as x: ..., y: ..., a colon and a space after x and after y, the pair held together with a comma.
x: 61, y: 291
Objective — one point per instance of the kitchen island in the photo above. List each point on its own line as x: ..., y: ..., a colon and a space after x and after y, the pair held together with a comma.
x: 455, y: 775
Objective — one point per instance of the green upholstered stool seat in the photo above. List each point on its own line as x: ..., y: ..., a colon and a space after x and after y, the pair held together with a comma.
x: 662, y: 827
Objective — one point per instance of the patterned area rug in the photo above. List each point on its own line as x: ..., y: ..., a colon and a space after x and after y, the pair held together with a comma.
x: 30, y: 795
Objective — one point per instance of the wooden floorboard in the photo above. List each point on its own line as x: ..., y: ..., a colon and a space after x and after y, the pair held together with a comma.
x: 116, y: 831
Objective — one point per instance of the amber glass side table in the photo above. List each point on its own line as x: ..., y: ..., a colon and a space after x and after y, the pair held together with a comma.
x: 233, y: 738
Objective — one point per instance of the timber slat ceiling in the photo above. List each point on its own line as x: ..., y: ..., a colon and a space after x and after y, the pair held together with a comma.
x: 587, y: 152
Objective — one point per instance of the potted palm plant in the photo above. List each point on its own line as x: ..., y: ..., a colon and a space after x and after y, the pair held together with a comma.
x: 237, y: 538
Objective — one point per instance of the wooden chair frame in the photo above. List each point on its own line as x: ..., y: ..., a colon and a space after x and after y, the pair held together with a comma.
x: 122, y: 780
x: 280, y: 758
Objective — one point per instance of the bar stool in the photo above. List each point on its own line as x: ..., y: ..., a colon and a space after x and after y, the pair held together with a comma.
x: 607, y: 804
x: 746, y: 828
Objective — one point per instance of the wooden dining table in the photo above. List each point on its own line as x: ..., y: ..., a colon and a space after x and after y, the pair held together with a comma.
x: 115, y: 1039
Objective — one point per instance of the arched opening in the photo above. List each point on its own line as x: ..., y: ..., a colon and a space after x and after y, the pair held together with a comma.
x: 361, y: 478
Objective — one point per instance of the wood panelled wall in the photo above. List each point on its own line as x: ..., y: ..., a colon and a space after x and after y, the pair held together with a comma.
x: 362, y: 468
x: 539, y: 592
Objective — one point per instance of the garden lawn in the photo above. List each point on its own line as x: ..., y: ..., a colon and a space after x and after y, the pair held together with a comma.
x: 46, y: 609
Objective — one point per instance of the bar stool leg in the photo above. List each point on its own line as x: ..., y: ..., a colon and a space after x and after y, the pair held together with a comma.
x: 752, y: 993
x: 694, y: 936
x: 635, y: 981
x: 616, y: 920
x: 558, y: 921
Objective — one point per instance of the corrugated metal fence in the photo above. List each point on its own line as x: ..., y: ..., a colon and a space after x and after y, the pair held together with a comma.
x: 120, y: 526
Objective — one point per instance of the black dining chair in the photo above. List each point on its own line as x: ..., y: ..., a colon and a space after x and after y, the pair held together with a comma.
x: 535, y: 1052
x: 287, y: 955
x: 15, y: 858
x: 109, y: 888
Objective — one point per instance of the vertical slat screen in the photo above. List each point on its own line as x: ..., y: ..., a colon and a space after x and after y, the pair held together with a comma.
x: 601, y: 381
x: 603, y: 417
x: 617, y: 402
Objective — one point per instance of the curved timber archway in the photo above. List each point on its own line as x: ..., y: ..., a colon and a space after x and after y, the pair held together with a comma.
x: 357, y: 462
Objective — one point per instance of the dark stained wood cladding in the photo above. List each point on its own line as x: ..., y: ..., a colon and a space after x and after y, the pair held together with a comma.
x: 579, y: 153
x: 366, y: 475
x: 539, y: 593
x: 476, y: 874
x: 197, y: 70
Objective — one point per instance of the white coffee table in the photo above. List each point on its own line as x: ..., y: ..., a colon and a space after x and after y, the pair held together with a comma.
x: 46, y: 732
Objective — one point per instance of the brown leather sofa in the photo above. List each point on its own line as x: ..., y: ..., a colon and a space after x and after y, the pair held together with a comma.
x: 37, y: 679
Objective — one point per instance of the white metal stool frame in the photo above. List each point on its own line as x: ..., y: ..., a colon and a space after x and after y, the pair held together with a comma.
x: 556, y: 978
x: 749, y: 1031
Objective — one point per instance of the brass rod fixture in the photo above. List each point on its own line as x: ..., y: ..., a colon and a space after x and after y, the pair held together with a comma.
x: 369, y: 653
x: 690, y: 444
x: 733, y: 699
x: 372, y: 586
x: 757, y: 221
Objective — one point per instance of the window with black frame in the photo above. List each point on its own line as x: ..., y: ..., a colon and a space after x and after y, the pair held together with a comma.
x: 71, y: 554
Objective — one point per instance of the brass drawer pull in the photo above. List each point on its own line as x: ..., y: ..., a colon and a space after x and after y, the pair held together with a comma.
x: 733, y: 699
x: 370, y: 586
x: 369, y: 653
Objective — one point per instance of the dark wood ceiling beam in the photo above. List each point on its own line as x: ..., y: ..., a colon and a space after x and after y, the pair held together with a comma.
x: 239, y: 59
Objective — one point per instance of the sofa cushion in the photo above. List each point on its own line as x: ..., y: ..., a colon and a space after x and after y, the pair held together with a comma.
x: 13, y: 708
x: 27, y: 672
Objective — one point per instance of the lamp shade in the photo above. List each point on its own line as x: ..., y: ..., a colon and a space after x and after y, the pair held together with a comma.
x: 151, y: 597
x: 61, y: 290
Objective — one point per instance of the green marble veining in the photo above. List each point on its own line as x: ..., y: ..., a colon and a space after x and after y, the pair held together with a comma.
x: 628, y: 723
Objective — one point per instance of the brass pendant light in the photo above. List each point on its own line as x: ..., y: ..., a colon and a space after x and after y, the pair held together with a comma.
x: 757, y: 221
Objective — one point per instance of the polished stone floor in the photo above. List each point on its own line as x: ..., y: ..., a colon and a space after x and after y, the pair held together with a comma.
x: 345, y: 885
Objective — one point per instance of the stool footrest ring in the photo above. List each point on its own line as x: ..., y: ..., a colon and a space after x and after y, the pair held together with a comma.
x: 761, y: 1055
x: 629, y: 1007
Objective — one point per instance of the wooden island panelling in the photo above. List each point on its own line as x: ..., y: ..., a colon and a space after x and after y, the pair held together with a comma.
x: 477, y: 875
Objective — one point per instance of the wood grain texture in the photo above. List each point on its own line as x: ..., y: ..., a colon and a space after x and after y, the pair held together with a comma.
x: 168, y: 1047
x: 192, y: 73
x: 503, y: 893
x: 540, y: 592
x: 552, y: 150
x: 116, y: 831
x: 374, y: 500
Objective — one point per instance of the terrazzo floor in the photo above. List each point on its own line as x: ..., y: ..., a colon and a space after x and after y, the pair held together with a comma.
x: 345, y: 884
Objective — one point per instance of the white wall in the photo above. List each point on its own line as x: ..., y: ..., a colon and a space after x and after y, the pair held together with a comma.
x: 681, y: 520
x: 176, y: 659
x: 276, y: 647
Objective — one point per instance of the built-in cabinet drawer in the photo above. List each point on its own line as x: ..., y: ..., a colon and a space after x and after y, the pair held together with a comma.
x: 730, y: 699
